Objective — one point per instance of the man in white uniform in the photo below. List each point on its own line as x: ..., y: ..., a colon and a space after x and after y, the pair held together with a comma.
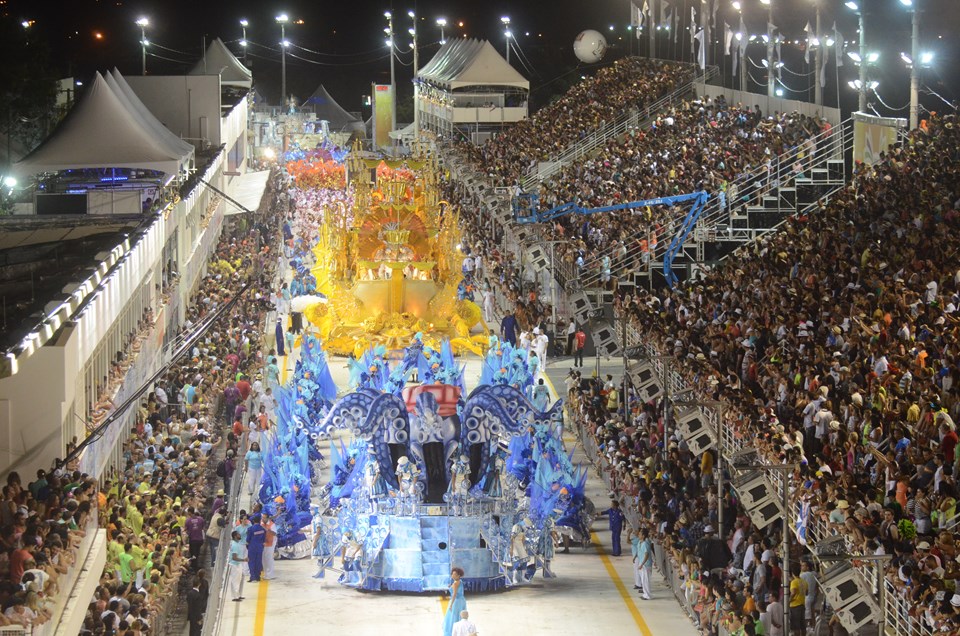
x: 464, y: 626
x: 540, y: 343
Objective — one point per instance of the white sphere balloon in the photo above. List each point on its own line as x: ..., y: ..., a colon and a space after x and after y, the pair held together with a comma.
x: 590, y: 46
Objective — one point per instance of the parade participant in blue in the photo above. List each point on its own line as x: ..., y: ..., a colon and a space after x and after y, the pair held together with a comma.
x: 545, y: 547
x: 541, y: 396
x: 457, y: 602
x: 238, y: 556
x: 318, y: 549
x: 645, y: 563
x: 350, y: 560
x: 256, y: 538
x: 615, y: 515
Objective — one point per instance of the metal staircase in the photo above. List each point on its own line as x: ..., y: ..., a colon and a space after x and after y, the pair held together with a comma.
x: 764, y: 200
x: 612, y: 130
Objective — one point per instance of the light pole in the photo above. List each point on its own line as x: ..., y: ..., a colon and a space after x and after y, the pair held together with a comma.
x: 506, y: 33
x: 282, y: 20
x: 862, y: 85
x: 416, y: 66
x: 818, y: 40
x: 442, y: 22
x: 142, y: 23
x: 771, y: 78
x: 393, y: 76
x: 915, y: 62
x: 243, y: 41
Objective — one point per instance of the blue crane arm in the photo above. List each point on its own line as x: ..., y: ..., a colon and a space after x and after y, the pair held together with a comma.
x: 525, y: 207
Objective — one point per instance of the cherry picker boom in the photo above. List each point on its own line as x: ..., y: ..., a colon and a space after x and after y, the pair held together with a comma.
x: 526, y: 209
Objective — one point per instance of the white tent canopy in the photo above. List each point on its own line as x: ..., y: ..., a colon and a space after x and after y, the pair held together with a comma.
x: 146, y: 118
x: 102, y: 131
x: 218, y: 60
x: 465, y: 62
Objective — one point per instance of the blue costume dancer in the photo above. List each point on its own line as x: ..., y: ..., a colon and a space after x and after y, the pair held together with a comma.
x: 256, y: 537
x: 457, y: 602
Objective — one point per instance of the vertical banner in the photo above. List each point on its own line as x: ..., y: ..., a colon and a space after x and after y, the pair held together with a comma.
x: 873, y: 135
x: 382, y: 114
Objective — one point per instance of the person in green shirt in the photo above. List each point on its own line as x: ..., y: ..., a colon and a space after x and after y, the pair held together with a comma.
x: 126, y: 564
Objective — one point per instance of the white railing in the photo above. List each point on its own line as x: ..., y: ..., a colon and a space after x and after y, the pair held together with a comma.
x: 830, y: 145
x: 612, y: 130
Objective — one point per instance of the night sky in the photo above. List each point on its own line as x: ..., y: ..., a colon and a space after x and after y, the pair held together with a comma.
x: 350, y: 37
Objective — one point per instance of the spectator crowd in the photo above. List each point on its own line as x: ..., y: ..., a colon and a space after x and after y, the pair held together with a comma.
x: 832, y: 344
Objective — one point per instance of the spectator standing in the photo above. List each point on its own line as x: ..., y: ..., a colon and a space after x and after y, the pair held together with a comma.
x: 195, y: 536
x: 196, y: 606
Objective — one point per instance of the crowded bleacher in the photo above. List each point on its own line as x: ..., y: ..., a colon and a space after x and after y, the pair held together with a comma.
x: 152, y: 509
x: 833, y: 344
x: 629, y: 83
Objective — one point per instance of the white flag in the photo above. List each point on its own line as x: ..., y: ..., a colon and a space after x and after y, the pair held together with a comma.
x: 727, y: 38
x: 702, y: 53
x: 676, y: 26
x: 692, y: 27
x: 666, y: 16
x: 823, y: 75
x: 636, y: 18
x: 809, y: 31
x: 838, y: 43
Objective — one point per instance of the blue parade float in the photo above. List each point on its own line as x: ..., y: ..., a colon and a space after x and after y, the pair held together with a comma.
x: 420, y: 476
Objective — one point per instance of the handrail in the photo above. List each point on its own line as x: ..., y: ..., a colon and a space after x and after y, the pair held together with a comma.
x: 628, y: 119
x: 831, y: 145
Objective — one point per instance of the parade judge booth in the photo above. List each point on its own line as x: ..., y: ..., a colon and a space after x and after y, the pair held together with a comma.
x: 469, y: 87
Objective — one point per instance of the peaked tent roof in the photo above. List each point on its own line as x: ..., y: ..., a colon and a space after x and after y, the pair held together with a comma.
x: 462, y: 62
x: 218, y: 60
x: 100, y: 132
x: 326, y: 107
x: 133, y: 103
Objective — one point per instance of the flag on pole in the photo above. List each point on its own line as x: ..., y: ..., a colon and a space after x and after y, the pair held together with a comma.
x: 809, y: 31
x: 676, y: 26
x: 666, y: 15
x: 727, y: 38
x: 636, y: 17
x: 692, y: 28
x: 838, y: 43
x: 823, y: 76
x: 702, y: 53
x: 803, y: 516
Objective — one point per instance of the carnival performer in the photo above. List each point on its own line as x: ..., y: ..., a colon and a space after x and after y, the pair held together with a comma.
x: 518, y: 552
x: 375, y: 483
x: 238, y: 556
x: 541, y: 396
x: 459, y: 483
x: 545, y: 547
x: 457, y: 602
x: 350, y: 559
x: 318, y: 549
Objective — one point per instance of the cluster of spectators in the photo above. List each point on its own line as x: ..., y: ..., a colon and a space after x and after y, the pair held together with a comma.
x: 833, y: 345
x: 163, y: 507
x: 629, y: 83
x: 41, y: 526
x: 701, y: 144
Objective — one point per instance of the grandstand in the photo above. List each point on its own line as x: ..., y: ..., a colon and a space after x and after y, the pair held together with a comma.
x: 802, y: 336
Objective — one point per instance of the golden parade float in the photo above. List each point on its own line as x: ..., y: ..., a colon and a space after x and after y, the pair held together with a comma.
x: 390, y: 267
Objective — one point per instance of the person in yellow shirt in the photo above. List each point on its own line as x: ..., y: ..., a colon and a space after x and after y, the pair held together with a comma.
x: 798, y: 595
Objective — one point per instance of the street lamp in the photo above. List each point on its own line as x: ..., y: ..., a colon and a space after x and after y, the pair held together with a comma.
x: 243, y: 41
x: 771, y: 78
x: 442, y: 22
x: 914, y: 7
x: 393, y: 77
x: 416, y: 84
x: 142, y: 23
x: 862, y: 102
x: 506, y: 32
x: 282, y: 20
